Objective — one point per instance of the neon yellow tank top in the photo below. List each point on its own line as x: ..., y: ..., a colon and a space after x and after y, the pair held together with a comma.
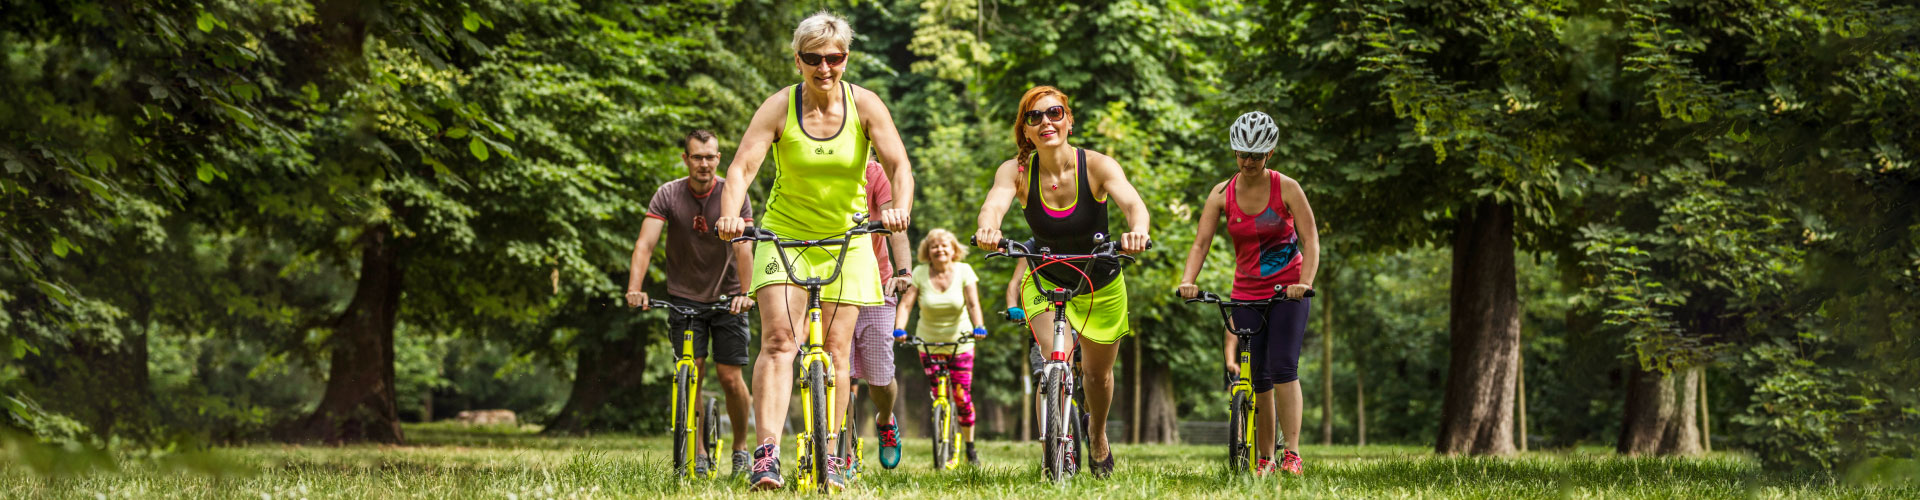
x: 821, y: 182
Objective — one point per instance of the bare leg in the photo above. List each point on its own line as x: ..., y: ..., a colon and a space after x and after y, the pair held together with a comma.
x: 1290, y: 413
x: 1098, y: 360
x: 882, y: 396
x: 738, y: 400
x: 1263, y: 424
x: 783, y: 311
x: 966, y: 433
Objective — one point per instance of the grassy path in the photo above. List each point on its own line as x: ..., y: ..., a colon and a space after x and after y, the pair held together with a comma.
x: 448, y: 462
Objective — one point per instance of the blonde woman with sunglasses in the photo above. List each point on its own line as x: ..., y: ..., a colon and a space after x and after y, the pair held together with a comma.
x: 819, y: 132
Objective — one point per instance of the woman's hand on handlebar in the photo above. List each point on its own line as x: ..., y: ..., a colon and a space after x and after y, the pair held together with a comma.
x: 987, y: 238
x: 1132, y: 243
x: 1189, y: 291
x: 730, y: 227
x: 1296, y: 290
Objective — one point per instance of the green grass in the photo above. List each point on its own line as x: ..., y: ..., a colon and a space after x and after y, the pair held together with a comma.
x: 453, y: 462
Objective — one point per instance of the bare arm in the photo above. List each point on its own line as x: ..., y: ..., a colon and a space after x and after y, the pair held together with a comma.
x: 999, y: 198
x: 901, y: 252
x: 1304, y: 225
x: 893, y: 156
x: 743, y: 269
x: 761, y: 132
x: 1105, y: 174
x: 973, y: 305
x: 642, y: 259
x: 906, y: 306
x: 1202, y: 241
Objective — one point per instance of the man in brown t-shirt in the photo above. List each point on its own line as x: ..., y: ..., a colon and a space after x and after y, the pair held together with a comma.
x: 701, y: 268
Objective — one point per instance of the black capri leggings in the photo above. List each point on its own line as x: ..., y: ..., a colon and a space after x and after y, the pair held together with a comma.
x: 1276, y: 349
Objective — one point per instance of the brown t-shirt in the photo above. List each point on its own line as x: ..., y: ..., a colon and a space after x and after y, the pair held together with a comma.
x: 879, y: 192
x: 699, y: 264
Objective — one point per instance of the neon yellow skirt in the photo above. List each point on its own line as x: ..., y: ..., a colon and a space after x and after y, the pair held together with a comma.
x: 859, y: 282
x: 1106, y: 323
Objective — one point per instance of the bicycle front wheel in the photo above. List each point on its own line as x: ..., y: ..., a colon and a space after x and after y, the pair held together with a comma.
x: 682, y: 417
x: 1240, y: 430
x: 822, y: 406
x: 710, y: 435
x: 850, y: 444
x: 942, y: 448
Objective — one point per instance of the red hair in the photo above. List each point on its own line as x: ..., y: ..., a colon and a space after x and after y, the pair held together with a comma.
x: 1033, y: 95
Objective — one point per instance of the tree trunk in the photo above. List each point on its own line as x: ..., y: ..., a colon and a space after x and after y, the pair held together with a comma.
x: 1520, y: 373
x: 1484, y: 321
x: 1660, y: 417
x: 1326, y: 373
x: 602, y: 369
x: 1706, y: 424
x: 361, y: 402
x: 1359, y: 403
x: 1159, y: 417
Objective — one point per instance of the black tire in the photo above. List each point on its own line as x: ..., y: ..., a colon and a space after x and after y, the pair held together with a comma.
x: 710, y: 434
x: 1080, y: 436
x: 1050, y: 431
x: 682, y: 403
x: 850, y: 442
x: 1239, y: 444
x: 822, y: 406
x: 942, y: 448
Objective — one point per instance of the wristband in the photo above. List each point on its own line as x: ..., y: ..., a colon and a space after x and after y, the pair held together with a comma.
x: 899, y: 334
x: 901, y: 273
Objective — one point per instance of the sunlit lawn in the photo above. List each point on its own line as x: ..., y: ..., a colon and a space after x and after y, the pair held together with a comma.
x: 452, y: 462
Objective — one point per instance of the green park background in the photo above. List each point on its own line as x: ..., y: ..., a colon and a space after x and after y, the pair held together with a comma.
x: 1655, y: 227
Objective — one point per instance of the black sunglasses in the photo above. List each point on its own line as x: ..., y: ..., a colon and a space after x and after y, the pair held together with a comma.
x: 1250, y: 156
x: 812, y: 59
x: 1053, y: 114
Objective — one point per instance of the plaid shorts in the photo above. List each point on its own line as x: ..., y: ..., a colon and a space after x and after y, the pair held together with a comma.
x: 873, y: 344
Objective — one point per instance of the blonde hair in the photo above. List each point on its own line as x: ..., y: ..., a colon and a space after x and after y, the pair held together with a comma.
x: 941, y: 236
x: 820, y: 26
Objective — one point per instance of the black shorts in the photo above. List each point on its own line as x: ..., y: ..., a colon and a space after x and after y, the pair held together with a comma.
x: 1276, y: 349
x: 726, y: 332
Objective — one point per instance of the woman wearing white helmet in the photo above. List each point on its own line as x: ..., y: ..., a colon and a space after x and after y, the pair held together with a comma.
x: 1275, y: 244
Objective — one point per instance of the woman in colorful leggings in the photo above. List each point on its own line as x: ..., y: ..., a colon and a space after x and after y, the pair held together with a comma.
x: 946, y: 288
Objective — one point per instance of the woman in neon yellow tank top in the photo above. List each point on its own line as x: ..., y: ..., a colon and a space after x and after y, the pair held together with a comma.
x: 819, y: 132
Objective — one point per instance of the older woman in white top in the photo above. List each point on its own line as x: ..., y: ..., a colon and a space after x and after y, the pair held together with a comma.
x: 945, y: 289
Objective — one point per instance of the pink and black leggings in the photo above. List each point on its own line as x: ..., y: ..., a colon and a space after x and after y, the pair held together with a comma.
x: 960, y: 381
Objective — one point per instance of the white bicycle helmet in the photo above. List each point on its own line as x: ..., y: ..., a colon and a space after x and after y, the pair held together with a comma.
x: 1255, y: 133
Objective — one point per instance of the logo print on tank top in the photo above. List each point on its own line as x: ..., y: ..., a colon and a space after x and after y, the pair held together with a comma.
x: 822, y: 150
x: 1275, y: 258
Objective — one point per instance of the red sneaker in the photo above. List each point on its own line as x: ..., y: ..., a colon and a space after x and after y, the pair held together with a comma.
x: 1263, y: 467
x: 1290, y: 462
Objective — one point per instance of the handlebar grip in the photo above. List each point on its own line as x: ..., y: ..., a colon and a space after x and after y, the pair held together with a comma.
x: 873, y: 226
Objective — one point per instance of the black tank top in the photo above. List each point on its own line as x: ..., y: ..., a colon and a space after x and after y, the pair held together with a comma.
x: 1069, y: 230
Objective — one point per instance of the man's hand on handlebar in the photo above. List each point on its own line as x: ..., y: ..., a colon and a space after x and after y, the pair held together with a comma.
x: 740, y: 303
x: 638, y: 299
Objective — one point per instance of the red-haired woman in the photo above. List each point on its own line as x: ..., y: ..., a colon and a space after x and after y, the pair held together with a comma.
x: 1064, y: 193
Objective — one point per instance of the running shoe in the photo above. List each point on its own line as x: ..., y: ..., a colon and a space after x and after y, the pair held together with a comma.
x: 766, y: 469
x: 1290, y: 462
x: 889, y: 444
